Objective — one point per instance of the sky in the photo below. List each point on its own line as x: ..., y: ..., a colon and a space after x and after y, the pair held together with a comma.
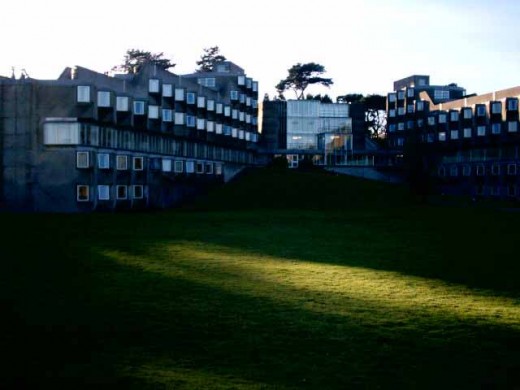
x: 364, y: 45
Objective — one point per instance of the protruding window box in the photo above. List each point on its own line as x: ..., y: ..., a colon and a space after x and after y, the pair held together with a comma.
x: 154, y: 86
x: 255, y: 86
x: 241, y: 80
x: 190, y: 121
x: 201, y: 102
x: 227, y: 111
x: 210, y: 105
x: 167, y: 115
x: 210, y: 126
x: 153, y: 112
x: 179, y: 118
x: 167, y: 90
x: 201, y: 124
x: 179, y: 94
x: 191, y: 98
x: 219, y: 109
x: 218, y: 128
x: 241, y: 134
x: 249, y: 83
x: 233, y: 95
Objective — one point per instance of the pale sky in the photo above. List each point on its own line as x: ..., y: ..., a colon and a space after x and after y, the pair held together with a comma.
x: 364, y: 45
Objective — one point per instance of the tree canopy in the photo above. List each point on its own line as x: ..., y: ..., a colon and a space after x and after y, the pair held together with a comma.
x: 209, y: 58
x: 375, y: 115
x: 135, y: 58
x: 301, y: 76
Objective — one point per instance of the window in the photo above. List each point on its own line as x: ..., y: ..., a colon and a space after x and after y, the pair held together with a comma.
x: 103, y: 192
x: 400, y: 111
x: 61, y: 133
x: 420, y: 106
x: 431, y: 120
x: 179, y: 166
x: 512, y: 127
x: 391, y: 97
x: 103, y: 99
x: 218, y: 128
x: 241, y: 116
x: 442, y: 118
x: 391, y: 127
x: 190, y: 166
x: 400, y: 95
x: 218, y: 169
x: 233, y: 95
x: 121, y: 163
x: 137, y: 191
x: 190, y: 98
x: 201, y: 102
x: 241, y: 80
x: 242, y: 98
x: 153, y: 86
x: 454, y: 134
x: 466, y: 170
x: 454, y: 116
x: 227, y: 111
x: 442, y: 136
x: 103, y: 160
x: 82, y: 193
x: 440, y: 94
x: 410, y: 125
x: 167, y: 90
x: 511, y: 169
x: 496, y: 128
x: 167, y: 115
x: 240, y: 134
x: 481, y: 131
x: 454, y: 171
x: 190, y: 121
x: 255, y: 86
x: 234, y: 114
x: 496, y: 108
x: 179, y: 118
x: 220, y: 108
x: 155, y: 163
x: 201, y: 125
x: 391, y: 113
x: 138, y: 163
x: 467, y: 132
x: 82, y: 159
x: 512, y: 104
x: 210, y: 126
x: 249, y: 83
x: 234, y: 132
x: 409, y: 108
x: 179, y: 94
x: 207, y: 81
x: 121, y: 192
x: 83, y: 94
x: 400, y: 126
x: 495, y: 169
x: 410, y: 92
x: 210, y: 105
x: 166, y: 165
x: 138, y: 107
x: 153, y: 112
x: 467, y: 114
x: 248, y: 101
x: 200, y: 167
x: 122, y: 103
x: 481, y: 110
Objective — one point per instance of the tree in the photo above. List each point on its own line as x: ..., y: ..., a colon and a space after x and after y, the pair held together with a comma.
x: 301, y: 76
x: 375, y: 114
x: 350, y: 98
x: 324, y: 99
x: 135, y: 59
x: 209, y: 58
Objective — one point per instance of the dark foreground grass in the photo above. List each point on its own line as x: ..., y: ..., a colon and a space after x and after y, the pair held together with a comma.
x: 278, y: 280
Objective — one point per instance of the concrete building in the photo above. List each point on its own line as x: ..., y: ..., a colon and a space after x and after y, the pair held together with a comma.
x: 87, y: 141
x: 470, y: 144
x: 321, y: 131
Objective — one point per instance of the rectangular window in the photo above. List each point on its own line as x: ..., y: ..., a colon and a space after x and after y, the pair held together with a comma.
x: 218, y: 169
x: 409, y: 108
x: 481, y: 131
x: 467, y: 114
x: 241, y: 116
x: 103, y: 192
x: 454, y: 116
x: 431, y: 120
x: 241, y: 80
x: 218, y: 128
x: 440, y: 94
x: 400, y: 95
x: 121, y: 192
x: 442, y: 136
x: 467, y: 132
x: 234, y: 114
x: 201, y: 125
x: 242, y: 98
x: 512, y: 104
x: 190, y: 98
x: 83, y: 93
x: 220, y: 108
x: 420, y: 106
x: 512, y: 127
x: 103, y: 161
x: 82, y: 160
x: 454, y: 171
x: 103, y: 99
x: 410, y: 92
x: 179, y: 118
x: 240, y: 134
x: 121, y: 163
x: 201, y: 102
x: 167, y: 115
x: 210, y: 126
x: 233, y: 95
x: 400, y: 111
x: 122, y: 103
x: 153, y: 112
x: 82, y: 193
x: 61, y: 133
x: 442, y: 118
x: 179, y: 94
x: 511, y: 169
x: 200, y: 167
x: 166, y: 165
x: 210, y: 105
x: 391, y: 127
x: 190, y: 121
x: 392, y: 97
x: 255, y: 86
x: 400, y: 126
x: 454, y: 134
x: 496, y: 128
x: 179, y: 166
x: 234, y: 132
x: 153, y: 86
x: 481, y: 110
x: 227, y: 111
x: 138, y: 107
x: 137, y: 191
x: 138, y: 163
x: 248, y: 101
x: 190, y: 166
x: 167, y: 90
x: 391, y: 113
x: 496, y: 108
x: 410, y: 125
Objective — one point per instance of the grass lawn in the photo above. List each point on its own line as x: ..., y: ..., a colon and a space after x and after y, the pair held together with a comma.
x: 278, y: 280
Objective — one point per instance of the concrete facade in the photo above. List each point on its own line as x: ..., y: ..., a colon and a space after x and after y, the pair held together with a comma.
x: 87, y: 141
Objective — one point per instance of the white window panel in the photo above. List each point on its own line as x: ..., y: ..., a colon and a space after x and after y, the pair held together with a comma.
x: 167, y: 115
x: 166, y: 165
x: 201, y: 102
x: 153, y: 86
x: 139, y: 107
x: 210, y: 105
x: 241, y: 116
x: 219, y: 108
x: 179, y: 118
x: 227, y: 111
x: 167, y: 90
x: 201, y: 125
x: 234, y: 114
x: 103, y: 192
x: 454, y: 134
x: 248, y: 118
x: 248, y: 101
x: 190, y: 166
x: 234, y: 132
x: 61, y: 133
x: 179, y: 94
x: 122, y: 103
x: 218, y: 128
x: 210, y: 126
x: 240, y: 134
x: 83, y: 93
x: 103, y: 99
x: 153, y: 112
x: 241, y: 80
x: 442, y: 136
x: 248, y: 136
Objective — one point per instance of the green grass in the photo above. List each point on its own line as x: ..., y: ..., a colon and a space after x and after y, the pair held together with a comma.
x: 278, y: 280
